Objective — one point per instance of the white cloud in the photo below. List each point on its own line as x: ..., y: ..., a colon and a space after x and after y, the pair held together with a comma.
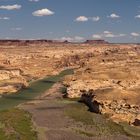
x: 10, y: 7
x: 43, y: 12
x: 121, y: 35
x: 138, y: 16
x: 110, y: 35
x: 66, y: 38
x: 16, y: 29
x: 72, y: 39
x: 82, y: 19
x: 34, y: 0
x: 135, y: 34
x: 96, y: 18
x: 4, y: 18
x: 113, y: 16
x: 107, y: 32
x: 97, y: 36
x: 78, y: 38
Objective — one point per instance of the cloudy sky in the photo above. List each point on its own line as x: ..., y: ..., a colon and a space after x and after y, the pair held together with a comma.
x: 74, y: 20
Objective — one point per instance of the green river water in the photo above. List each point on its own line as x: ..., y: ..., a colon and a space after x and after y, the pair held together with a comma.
x: 35, y: 89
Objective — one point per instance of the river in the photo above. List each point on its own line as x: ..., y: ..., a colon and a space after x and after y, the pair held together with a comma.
x: 35, y: 89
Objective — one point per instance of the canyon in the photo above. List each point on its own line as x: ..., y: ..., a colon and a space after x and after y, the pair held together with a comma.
x: 106, y: 76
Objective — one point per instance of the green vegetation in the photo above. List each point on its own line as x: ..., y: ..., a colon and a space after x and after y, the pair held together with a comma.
x: 16, y: 124
x: 99, y: 123
x: 35, y: 89
x: 103, y: 126
x: 84, y: 133
x: 131, y: 130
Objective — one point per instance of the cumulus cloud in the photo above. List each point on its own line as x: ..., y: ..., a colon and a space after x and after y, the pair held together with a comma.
x: 73, y: 39
x: 96, y: 18
x: 43, y: 12
x: 82, y: 19
x: 16, y: 29
x: 122, y: 35
x: 107, y: 34
x: 135, y: 34
x: 113, y: 16
x: 138, y: 16
x: 10, y: 7
x: 66, y: 38
x: 97, y: 36
x: 78, y: 38
x: 4, y: 18
x: 34, y: 0
x: 110, y: 35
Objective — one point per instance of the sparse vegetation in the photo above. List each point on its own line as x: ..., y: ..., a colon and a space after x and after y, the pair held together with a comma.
x: 16, y: 124
x: 84, y: 133
x: 131, y: 130
x: 100, y: 123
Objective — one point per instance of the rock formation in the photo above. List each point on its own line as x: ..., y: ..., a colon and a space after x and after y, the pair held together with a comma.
x: 111, y: 71
x: 96, y: 42
x: 113, y: 74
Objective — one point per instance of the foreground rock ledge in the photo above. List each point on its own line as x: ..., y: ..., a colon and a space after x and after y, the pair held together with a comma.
x: 117, y: 109
x: 114, y: 76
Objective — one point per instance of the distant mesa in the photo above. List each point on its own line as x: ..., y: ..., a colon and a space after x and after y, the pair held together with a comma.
x: 30, y: 42
x: 66, y: 41
x: 20, y: 42
x: 96, y: 42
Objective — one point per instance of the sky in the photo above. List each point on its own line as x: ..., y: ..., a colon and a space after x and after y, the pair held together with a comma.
x: 116, y: 21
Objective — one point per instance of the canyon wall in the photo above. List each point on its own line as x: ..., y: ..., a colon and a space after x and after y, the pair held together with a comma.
x: 106, y: 76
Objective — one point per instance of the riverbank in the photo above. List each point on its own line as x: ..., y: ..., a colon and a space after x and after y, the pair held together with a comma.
x: 35, y: 89
x: 51, y: 117
x: 56, y: 118
x: 21, y: 64
x: 16, y: 124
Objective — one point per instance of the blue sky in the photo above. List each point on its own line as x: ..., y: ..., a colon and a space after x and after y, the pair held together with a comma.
x: 74, y: 20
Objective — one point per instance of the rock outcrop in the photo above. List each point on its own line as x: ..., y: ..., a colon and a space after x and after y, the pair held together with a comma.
x: 113, y: 74
x: 11, y: 80
x: 119, y: 108
x: 96, y: 42
x: 111, y: 71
